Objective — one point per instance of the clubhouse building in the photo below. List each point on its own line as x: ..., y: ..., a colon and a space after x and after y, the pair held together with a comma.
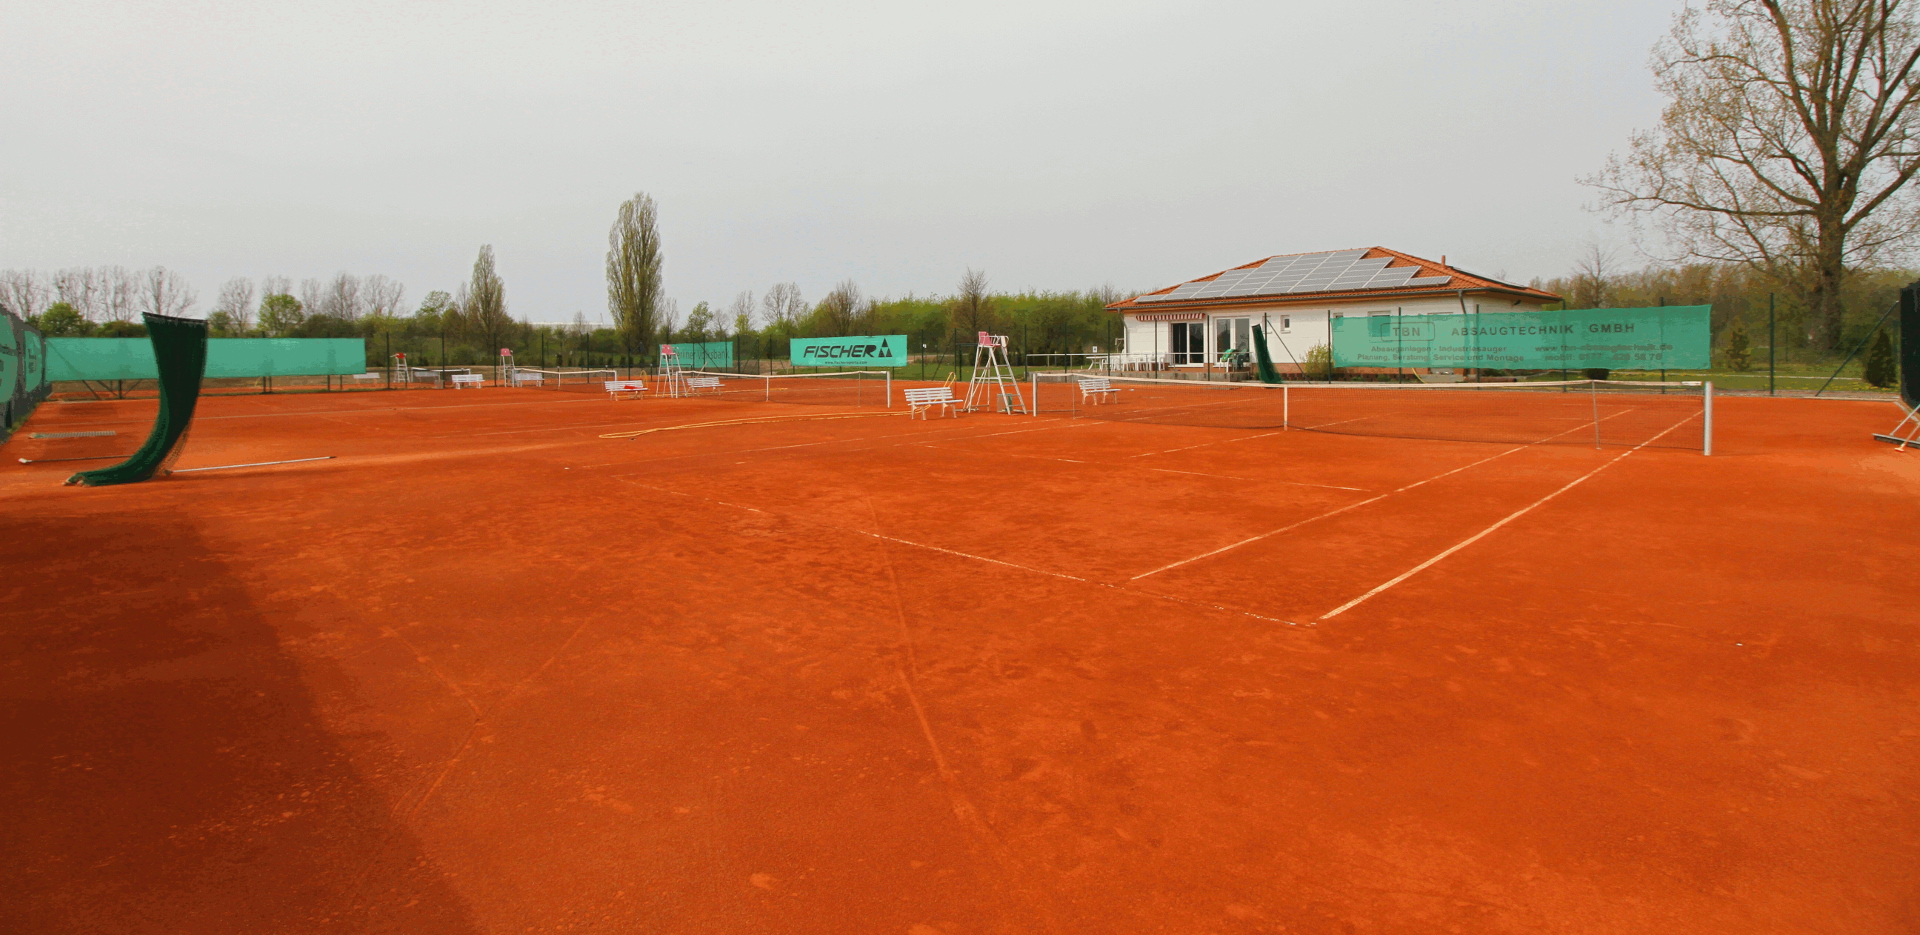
x: 1206, y: 322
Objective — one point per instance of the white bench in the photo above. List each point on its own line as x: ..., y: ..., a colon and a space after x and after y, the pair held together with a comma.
x: 522, y: 378
x: 368, y: 377
x: 615, y: 388
x: 1097, y: 389
x: 697, y: 384
x: 468, y: 379
x: 920, y: 400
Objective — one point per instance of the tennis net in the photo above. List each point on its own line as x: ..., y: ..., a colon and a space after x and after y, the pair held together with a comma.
x: 855, y: 389
x: 1572, y: 412
x: 572, y: 381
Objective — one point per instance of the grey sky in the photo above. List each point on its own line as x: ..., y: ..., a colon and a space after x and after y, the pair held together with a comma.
x: 1057, y: 145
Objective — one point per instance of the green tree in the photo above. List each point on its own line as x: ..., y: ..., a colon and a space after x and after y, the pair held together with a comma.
x: 1881, y: 370
x: 634, y: 282
x: 1739, y: 347
x: 62, y: 320
x: 482, y: 305
x: 699, y: 323
x: 280, y: 313
x: 433, y: 311
x: 121, y: 329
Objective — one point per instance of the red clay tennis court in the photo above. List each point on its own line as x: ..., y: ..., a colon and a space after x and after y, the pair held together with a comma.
x: 488, y: 671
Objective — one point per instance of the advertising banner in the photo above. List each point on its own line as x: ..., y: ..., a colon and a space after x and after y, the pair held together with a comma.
x: 709, y: 355
x: 1673, y: 337
x: 885, y: 350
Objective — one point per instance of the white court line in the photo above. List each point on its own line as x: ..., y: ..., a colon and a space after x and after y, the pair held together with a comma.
x: 1250, y: 480
x: 912, y: 439
x: 1350, y: 506
x: 967, y: 555
x: 1476, y: 537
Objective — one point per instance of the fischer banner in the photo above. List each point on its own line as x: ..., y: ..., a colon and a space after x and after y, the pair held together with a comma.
x: 884, y: 350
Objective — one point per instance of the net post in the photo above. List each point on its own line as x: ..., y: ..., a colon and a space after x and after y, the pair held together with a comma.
x: 1286, y: 407
x: 1706, y: 421
x: 889, y: 389
x: 1033, y: 379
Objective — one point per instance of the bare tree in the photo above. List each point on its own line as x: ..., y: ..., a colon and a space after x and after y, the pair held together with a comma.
x: 275, y: 285
x: 78, y: 288
x: 313, y: 297
x: 383, y: 296
x: 742, y: 312
x: 342, y: 297
x: 634, y: 281
x: 236, y: 303
x: 23, y: 292
x: 841, y: 310
x: 119, y: 293
x: 1788, y: 143
x: 972, y: 305
x: 163, y: 292
x: 782, y: 304
x: 1593, y: 277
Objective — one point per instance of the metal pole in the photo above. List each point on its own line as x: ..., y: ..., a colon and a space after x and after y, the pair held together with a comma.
x: 1593, y: 393
x: 1286, y: 406
x: 1034, y: 379
x: 1770, y: 340
x: 1706, y: 423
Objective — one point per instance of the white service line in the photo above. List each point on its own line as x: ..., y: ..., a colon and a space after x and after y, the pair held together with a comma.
x: 1350, y: 506
x: 967, y: 555
x: 1476, y: 537
x: 1289, y: 483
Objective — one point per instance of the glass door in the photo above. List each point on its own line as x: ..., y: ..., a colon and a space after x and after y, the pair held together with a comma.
x: 1232, y: 340
x: 1189, y: 342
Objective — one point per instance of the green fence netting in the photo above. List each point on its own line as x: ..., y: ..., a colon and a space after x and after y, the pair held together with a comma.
x: 180, y: 359
x: 131, y: 359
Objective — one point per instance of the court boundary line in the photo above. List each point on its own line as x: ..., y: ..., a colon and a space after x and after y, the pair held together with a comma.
x: 1476, y: 537
x: 1353, y: 506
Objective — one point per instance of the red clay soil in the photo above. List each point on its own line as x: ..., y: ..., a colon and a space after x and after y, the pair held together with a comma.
x: 488, y: 672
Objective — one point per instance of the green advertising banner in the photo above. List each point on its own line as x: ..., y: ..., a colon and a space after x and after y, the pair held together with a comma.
x: 132, y: 358
x: 704, y: 356
x: 884, y: 350
x: 1671, y: 337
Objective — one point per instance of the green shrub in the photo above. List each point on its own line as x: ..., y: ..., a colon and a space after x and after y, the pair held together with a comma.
x: 1881, y: 369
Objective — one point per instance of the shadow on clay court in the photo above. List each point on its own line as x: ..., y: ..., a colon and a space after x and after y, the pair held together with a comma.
x: 167, y: 770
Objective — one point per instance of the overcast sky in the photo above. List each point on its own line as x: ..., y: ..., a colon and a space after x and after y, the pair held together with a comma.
x: 1056, y: 145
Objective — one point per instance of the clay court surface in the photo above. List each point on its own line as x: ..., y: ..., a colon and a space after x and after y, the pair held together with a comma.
x: 488, y: 672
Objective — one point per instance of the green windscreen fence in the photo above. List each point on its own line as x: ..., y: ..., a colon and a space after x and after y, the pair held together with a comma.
x: 179, y: 352
x: 706, y: 355
x: 133, y: 358
x: 1669, y: 337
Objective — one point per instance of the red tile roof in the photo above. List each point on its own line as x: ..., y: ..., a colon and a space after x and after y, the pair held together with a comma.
x: 1456, y: 281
